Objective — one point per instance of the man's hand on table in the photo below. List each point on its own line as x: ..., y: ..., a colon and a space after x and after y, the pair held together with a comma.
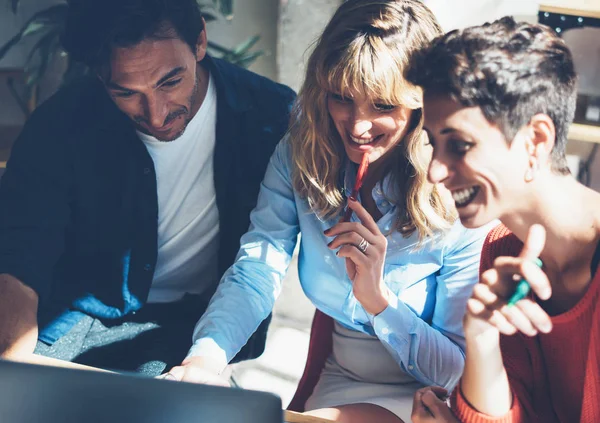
x: 197, y: 370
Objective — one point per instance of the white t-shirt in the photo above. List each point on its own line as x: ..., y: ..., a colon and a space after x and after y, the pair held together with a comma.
x: 188, y: 219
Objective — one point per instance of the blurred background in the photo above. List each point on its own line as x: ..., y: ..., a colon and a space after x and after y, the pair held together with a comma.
x: 272, y: 38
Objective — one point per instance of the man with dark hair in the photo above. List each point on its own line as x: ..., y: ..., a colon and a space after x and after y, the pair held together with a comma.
x: 126, y: 193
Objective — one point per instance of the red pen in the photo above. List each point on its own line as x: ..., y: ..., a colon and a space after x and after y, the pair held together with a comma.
x: 360, y: 176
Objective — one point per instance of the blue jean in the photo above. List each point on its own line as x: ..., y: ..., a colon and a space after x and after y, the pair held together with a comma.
x: 147, y: 342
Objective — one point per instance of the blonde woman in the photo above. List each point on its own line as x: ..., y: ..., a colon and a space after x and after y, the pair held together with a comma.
x: 397, y: 276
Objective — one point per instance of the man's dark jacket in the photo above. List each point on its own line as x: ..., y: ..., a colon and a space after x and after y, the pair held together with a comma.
x: 78, y: 201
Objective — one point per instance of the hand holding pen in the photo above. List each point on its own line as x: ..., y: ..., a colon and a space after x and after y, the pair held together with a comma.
x: 500, y: 300
x: 360, y: 176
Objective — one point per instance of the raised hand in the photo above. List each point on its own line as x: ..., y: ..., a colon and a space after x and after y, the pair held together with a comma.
x: 488, y: 306
x: 364, y: 248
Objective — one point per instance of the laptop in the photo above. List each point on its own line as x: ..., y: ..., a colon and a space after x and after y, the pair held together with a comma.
x: 40, y: 394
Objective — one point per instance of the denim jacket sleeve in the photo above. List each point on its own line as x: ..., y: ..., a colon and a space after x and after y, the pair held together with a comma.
x: 434, y: 353
x: 249, y: 288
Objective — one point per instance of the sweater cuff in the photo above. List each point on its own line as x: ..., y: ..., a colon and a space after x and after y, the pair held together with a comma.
x: 467, y: 414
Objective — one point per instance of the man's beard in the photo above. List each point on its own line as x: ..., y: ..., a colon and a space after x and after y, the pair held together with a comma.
x: 182, y: 111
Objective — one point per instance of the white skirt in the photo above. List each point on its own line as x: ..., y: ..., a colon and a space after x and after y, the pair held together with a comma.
x: 360, y: 370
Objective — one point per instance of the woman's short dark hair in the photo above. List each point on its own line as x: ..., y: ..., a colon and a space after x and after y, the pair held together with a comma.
x: 511, y: 71
x: 95, y: 27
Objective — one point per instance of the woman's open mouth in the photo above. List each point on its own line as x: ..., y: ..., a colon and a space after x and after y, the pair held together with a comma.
x: 366, y: 141
x: 463, y: 197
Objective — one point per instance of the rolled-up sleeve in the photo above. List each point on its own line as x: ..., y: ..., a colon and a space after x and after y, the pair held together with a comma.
x: 249, y: 288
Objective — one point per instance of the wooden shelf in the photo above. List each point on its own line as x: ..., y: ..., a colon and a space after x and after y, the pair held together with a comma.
x: 586, y: 133
x: 585, y: 9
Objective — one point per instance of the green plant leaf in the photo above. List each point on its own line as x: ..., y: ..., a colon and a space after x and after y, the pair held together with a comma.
x: 246, y: 45
x: 226, y: 8
x: 10, y: 44
x: 247, y: 60
x: 52, y: 37
x: 218, y: 48
x: 53, y: 16
x: 33, y: 28
x: 209, y: 16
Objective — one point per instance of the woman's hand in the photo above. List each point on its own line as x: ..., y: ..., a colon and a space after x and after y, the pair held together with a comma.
x: 196, y: 370
x: 487, y: 308
x: 429, y: 406
x: 364, y: 248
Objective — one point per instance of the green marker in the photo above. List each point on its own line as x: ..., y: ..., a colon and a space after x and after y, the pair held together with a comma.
x: 523, y: 288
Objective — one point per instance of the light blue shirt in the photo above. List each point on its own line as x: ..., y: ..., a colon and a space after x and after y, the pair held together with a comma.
x: 421, y: 327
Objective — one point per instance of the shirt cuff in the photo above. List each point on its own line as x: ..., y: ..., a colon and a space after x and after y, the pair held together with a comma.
x: 207, y: 347
x: 396, y: 316
x: 394, y: 326
x: 467, y: 414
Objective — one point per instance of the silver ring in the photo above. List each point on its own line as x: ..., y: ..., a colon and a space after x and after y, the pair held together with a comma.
x: 363, y: 245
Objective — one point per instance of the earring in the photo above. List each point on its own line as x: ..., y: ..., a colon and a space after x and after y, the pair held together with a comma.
x: 533, y: 168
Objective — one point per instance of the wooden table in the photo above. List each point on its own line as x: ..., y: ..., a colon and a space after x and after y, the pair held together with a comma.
x: 293, y: 417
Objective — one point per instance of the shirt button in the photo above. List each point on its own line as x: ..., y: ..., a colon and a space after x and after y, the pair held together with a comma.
x: 384, y: 203
x: 411, y: 367
x: 146, y: 170
x: 147, y: 267
x: 385, y: 331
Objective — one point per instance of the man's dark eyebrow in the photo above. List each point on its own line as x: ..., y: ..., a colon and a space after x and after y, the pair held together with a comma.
x: 169, y: 75
x: 447, y: 131
x: 113, y: 86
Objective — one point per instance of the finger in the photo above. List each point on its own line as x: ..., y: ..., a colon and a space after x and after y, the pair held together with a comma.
x: 364, y: 216
x: 432, y: 402
x: 352, y: 252
x: 500, y: 322
x: 497, y: 282
x: 176, y: 373
x: 440, y: 392
x: 417, y: 400
x: 517, y: 318
x: 420, y: 413
x: 536, y: 277
x: 484, y: 294
x: 347, y: 227
x: 534, y: 243
x: 349, y: 238
x: 536, y: 314
x: 492, y: 317
x: 438, y: 408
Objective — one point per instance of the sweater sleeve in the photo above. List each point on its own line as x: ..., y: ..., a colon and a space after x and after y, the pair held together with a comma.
x: 515, y: 354
x: 519, y: 368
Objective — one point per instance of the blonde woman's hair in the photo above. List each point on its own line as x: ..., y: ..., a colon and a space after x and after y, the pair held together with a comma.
x: 367, y: 47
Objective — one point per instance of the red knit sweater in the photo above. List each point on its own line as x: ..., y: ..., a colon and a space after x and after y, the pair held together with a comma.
x: 554, y: 377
